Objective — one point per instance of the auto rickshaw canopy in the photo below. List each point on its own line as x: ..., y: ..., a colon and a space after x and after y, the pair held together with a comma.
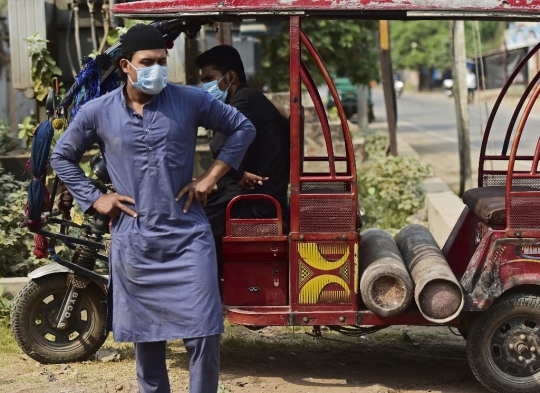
x: 230, y: 10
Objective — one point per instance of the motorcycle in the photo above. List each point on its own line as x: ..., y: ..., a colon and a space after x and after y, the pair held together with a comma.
x: 448, y: 85
x: 398, y: 87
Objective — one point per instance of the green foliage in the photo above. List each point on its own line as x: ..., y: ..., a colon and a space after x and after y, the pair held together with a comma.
x: 16, y: 244
x: 425, y: 44
x: 421, y: 44
x: 389, y: 187
x: 348, y: 48
x: 44, y: 67
x: 5, y: 306
x: 491, y: 35
x: 26, y: 129
x: 114, y: 34
x: 7, y: 141
x: 4, y: 36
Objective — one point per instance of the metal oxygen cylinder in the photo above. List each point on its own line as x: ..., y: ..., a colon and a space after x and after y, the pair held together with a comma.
x: 437, y: 292
x: 385, y: 285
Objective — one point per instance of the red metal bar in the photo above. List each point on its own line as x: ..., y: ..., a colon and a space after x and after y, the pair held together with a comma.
x: 511, y: 164
x: 284, y: 316
x: 323, y: 174
x: 527, y: 175
x: 506, y: 158
x: 499, y: 172
x: 320, y: 237
x: 347, y: 178
x: 517, y: 110
x: 494, y: 111
x: 278, y: 220
x: 322, y: 158
x: 326, y: 75
x: 319, y: 107
x: 296, y: 137
x: 534, y: 166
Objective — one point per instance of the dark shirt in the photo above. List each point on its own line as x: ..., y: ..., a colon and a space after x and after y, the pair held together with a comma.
x: 268, y: 154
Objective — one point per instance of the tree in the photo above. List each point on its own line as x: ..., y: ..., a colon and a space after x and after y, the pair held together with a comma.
x: 4, y: 37
x: 420, y: 45
x: 425, y: 44
x: 348, y: 48
x: 491, y: 35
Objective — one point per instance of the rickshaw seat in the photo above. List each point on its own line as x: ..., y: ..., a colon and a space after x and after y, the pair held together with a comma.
x: 488, y: 203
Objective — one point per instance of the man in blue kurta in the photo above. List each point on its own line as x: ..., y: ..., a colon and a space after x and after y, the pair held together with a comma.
x: 162, y: 259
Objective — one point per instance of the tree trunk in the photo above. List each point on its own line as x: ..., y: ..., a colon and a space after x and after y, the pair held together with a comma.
x: 459, y: 70
x: 388, y: 86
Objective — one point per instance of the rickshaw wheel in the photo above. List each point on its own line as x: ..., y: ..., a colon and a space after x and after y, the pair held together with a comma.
x: 33, y: 321
x: 503, y: 345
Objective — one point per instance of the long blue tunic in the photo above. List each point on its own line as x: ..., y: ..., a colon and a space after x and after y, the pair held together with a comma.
x: 162, y: 263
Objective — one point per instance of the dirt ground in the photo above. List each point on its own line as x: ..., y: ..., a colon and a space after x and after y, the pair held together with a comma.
x: 429, y: 359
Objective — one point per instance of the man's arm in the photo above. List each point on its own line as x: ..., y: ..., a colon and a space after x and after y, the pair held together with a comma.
x: 200, y: 188
x: 224, y: 119
x: 78, y: 138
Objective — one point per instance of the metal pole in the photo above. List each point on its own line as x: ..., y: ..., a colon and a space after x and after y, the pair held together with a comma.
x: 12, y: 103
x: 388, y: 86
x: 191, y: 51
x: 224, y: 36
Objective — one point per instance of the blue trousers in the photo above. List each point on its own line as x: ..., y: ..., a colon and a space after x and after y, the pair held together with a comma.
x: 203, y: 365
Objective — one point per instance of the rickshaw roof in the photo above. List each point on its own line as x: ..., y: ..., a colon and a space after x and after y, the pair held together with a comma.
x: 233, y: 10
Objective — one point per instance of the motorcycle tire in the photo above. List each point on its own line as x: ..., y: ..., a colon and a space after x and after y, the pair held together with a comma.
x: 503, y: 345
x: 34, y: 314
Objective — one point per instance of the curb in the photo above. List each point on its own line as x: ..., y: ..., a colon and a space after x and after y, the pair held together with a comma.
x: 13, y: 285
x: 443, y: 206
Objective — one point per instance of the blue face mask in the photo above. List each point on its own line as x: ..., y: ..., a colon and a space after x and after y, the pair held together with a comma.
x: 213, y: 88
x: 150, y: 80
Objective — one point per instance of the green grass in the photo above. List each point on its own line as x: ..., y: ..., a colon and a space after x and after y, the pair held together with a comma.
x: 7, y: 342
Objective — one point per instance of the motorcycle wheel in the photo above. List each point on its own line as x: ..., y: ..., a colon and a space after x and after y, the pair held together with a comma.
x: 503, y: 345
x: 33, y: 321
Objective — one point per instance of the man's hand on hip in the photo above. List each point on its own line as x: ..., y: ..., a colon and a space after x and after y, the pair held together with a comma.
x: 202, y: 187
x: 113, y: 205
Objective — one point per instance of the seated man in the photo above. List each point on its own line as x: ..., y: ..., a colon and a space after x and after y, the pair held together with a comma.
x: 265, y: 168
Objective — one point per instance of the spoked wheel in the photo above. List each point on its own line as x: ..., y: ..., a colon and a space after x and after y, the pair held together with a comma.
x: 503, y: 345
x: 34, y: 315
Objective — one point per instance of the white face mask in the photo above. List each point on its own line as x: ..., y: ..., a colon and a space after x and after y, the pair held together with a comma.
x: 150, y: 80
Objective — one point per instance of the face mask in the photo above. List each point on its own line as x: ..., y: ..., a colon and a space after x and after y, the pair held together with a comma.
x: 150, y: 80
x: 213, y: 88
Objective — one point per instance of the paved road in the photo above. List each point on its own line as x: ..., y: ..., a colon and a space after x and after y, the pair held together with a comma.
x: 427, y: 122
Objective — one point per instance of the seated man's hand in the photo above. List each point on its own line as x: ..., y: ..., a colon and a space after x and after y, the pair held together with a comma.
x: 112, y: 205
x: 249, y: 180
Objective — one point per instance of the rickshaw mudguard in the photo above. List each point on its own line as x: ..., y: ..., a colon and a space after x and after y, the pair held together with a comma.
x: 500, y: 264
x: 56, y: 268
x: 51, y: 268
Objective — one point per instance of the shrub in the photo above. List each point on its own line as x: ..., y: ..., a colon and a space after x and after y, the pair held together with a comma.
x: 5, y: 306
x: 16, y: 244
x: 389, y: 187
x: 8, y: 141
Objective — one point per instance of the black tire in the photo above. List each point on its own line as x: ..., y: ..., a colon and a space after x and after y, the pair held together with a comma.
x: 33, y: 321
x: 503, y: 345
